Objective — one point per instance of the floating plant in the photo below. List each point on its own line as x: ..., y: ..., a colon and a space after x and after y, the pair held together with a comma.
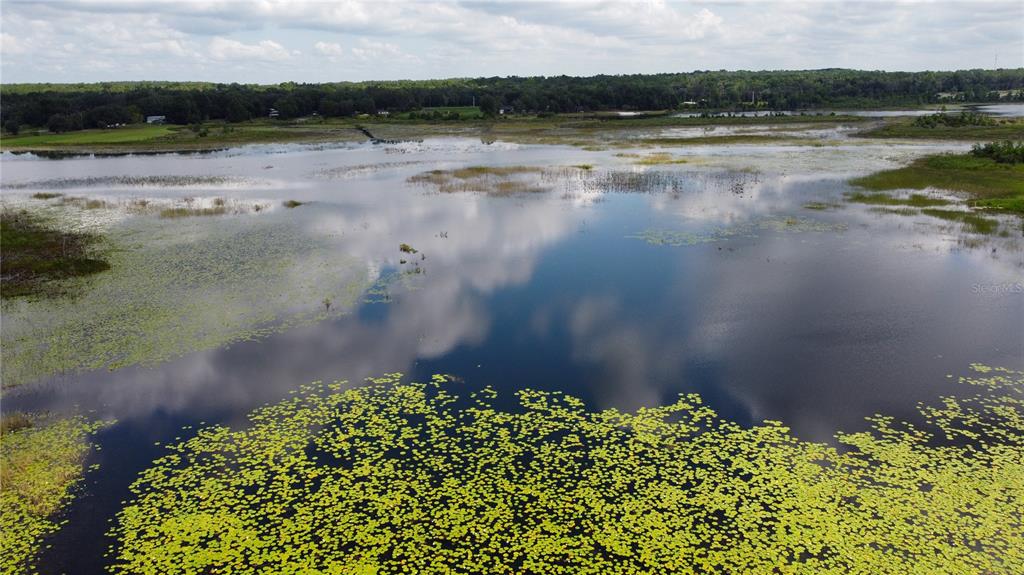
x: 398, y: 477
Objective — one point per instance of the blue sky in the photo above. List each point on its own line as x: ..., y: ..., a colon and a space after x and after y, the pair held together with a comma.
x: 274, y: 41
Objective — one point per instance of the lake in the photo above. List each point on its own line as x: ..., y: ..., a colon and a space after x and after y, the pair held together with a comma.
x: 741, y: 273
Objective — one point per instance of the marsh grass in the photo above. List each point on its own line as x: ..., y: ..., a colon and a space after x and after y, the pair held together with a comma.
x: 36, y: 255
x: 492, y: 180
x: 46, y: 195
x: 185, y: 212
x: 10, y: 422
x: 1005, y: 129
x: 821, y: 206
x: 897, y: 211
x: 971, y: 221
x: 655, y: 159
x: 292, y: 203
x: 883, y: 199
x: 991, y: 184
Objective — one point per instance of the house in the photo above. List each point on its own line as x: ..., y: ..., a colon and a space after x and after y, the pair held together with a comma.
x: 156, y: 119
x: 273, y: 113
x: 383, y: 113
x: 506, y: 110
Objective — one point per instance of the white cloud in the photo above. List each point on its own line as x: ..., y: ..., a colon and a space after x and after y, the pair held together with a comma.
x: 266, y: 50
x: 372, y: 50
x: 190, y: 40
x: 9, y: 44
x: 332, y: 50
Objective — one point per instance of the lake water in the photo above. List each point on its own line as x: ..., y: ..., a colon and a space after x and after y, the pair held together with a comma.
x: 621, y: 283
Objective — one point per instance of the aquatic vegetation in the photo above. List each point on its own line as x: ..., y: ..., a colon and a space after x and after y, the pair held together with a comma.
x: 915, y: 200
x: 46, y: 195
x: 14, y: 421
x: 401, y: 477
x: 292, y: 203
x: 677, y: 238
x: 821, y: 206
x: 177, y: 286
x: 654, y: 159
x: 361, y: 170
x: 191, y: 212
x: 124, y: 182
x: 494, y: 180
x: 990, y: 184
x: 37, y: 255
x: 385, y: 287
x: 899, y: 211
x: 798, y: 224
x: 1008, y: 129
x: 407, y: 249
x: 971, y: 221
x: 39, y: 468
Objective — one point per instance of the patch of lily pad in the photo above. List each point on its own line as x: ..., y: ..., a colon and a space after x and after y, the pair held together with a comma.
x: 398, y: 477
x: 40, y: 466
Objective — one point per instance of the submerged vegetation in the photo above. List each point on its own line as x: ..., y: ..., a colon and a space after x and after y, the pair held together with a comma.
x: 36, y: 255
x: 971, y: 221
x: 493, y: 180
x: 677, y: 238
x: 991, y: 184
x: 40, y: 464
x: 401, y: 477
x: 190, y: 212
x: 177, y: 286
x: 882, y: 199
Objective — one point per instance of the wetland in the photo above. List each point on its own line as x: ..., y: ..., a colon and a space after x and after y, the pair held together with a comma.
x: 467, y: 348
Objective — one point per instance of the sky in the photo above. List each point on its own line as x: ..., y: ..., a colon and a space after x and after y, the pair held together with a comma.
x: 271, y: 41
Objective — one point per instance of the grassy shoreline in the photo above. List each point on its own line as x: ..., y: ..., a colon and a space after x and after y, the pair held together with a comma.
x: 220, y: 135
x: 990, y: 185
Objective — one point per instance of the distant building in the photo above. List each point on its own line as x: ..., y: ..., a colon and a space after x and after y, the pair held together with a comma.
x: 156, y: 119
x: 383, y: 113
x: 506, y: 110
x: 273, y: 113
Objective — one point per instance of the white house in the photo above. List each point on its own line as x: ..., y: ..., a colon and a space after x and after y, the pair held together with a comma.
x: 156, y: 119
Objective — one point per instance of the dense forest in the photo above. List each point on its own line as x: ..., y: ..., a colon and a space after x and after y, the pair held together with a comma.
x: 64, y: 107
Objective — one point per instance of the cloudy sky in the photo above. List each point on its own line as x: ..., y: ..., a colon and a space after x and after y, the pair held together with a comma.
x: 272, y: 41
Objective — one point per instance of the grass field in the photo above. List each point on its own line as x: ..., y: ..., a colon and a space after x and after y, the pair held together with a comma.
x: 170, y: 138
x: 991, y: 185
x: 127, y: 135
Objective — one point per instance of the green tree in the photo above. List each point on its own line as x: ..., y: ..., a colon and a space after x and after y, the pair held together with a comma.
x: 489, y: 106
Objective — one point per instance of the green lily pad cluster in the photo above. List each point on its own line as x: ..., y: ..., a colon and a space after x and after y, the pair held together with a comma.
x: 39, y: 468
x: 398, y: 477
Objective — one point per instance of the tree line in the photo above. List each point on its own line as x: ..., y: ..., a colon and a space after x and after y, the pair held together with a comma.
x: 63, y: 107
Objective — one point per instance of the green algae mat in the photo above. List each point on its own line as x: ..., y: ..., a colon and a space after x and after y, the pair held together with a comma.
x: 397, y: 477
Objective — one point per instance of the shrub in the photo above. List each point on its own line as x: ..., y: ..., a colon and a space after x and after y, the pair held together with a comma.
x: 1006, y: 152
